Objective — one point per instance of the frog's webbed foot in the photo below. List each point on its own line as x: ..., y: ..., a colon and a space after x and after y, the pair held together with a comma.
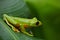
x: 24, y: 31
x: 11, y: 25
x: 27, y: 33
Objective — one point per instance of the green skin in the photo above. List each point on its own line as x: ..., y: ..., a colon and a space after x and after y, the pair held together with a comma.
x: 21, y: 22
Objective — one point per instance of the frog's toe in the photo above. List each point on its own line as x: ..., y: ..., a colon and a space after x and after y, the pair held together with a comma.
x: 16, y: 30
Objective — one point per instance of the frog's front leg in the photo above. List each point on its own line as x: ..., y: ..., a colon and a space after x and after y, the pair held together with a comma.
x: 11, y: 25
x: 24, y: 31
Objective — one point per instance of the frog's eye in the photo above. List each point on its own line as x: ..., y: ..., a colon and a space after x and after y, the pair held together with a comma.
x: 37, y: 23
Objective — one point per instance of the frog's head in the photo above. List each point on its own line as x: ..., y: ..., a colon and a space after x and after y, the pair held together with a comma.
x: 34, y: 22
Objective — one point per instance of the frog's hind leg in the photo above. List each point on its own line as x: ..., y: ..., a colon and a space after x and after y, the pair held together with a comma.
x: 11, y: 25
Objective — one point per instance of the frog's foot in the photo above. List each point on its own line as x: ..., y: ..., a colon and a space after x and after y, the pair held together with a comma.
x: 28, y: 34
x: 16, y: 30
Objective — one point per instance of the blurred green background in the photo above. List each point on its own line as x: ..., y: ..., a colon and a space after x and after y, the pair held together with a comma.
x: 47, y: 11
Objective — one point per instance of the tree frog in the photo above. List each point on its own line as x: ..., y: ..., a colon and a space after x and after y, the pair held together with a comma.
x: 20, y: 24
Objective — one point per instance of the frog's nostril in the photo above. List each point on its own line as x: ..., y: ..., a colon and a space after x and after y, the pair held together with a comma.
x: 37, y: 23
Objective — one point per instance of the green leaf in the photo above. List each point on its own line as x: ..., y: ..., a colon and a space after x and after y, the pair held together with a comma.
x: 16, y: 8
